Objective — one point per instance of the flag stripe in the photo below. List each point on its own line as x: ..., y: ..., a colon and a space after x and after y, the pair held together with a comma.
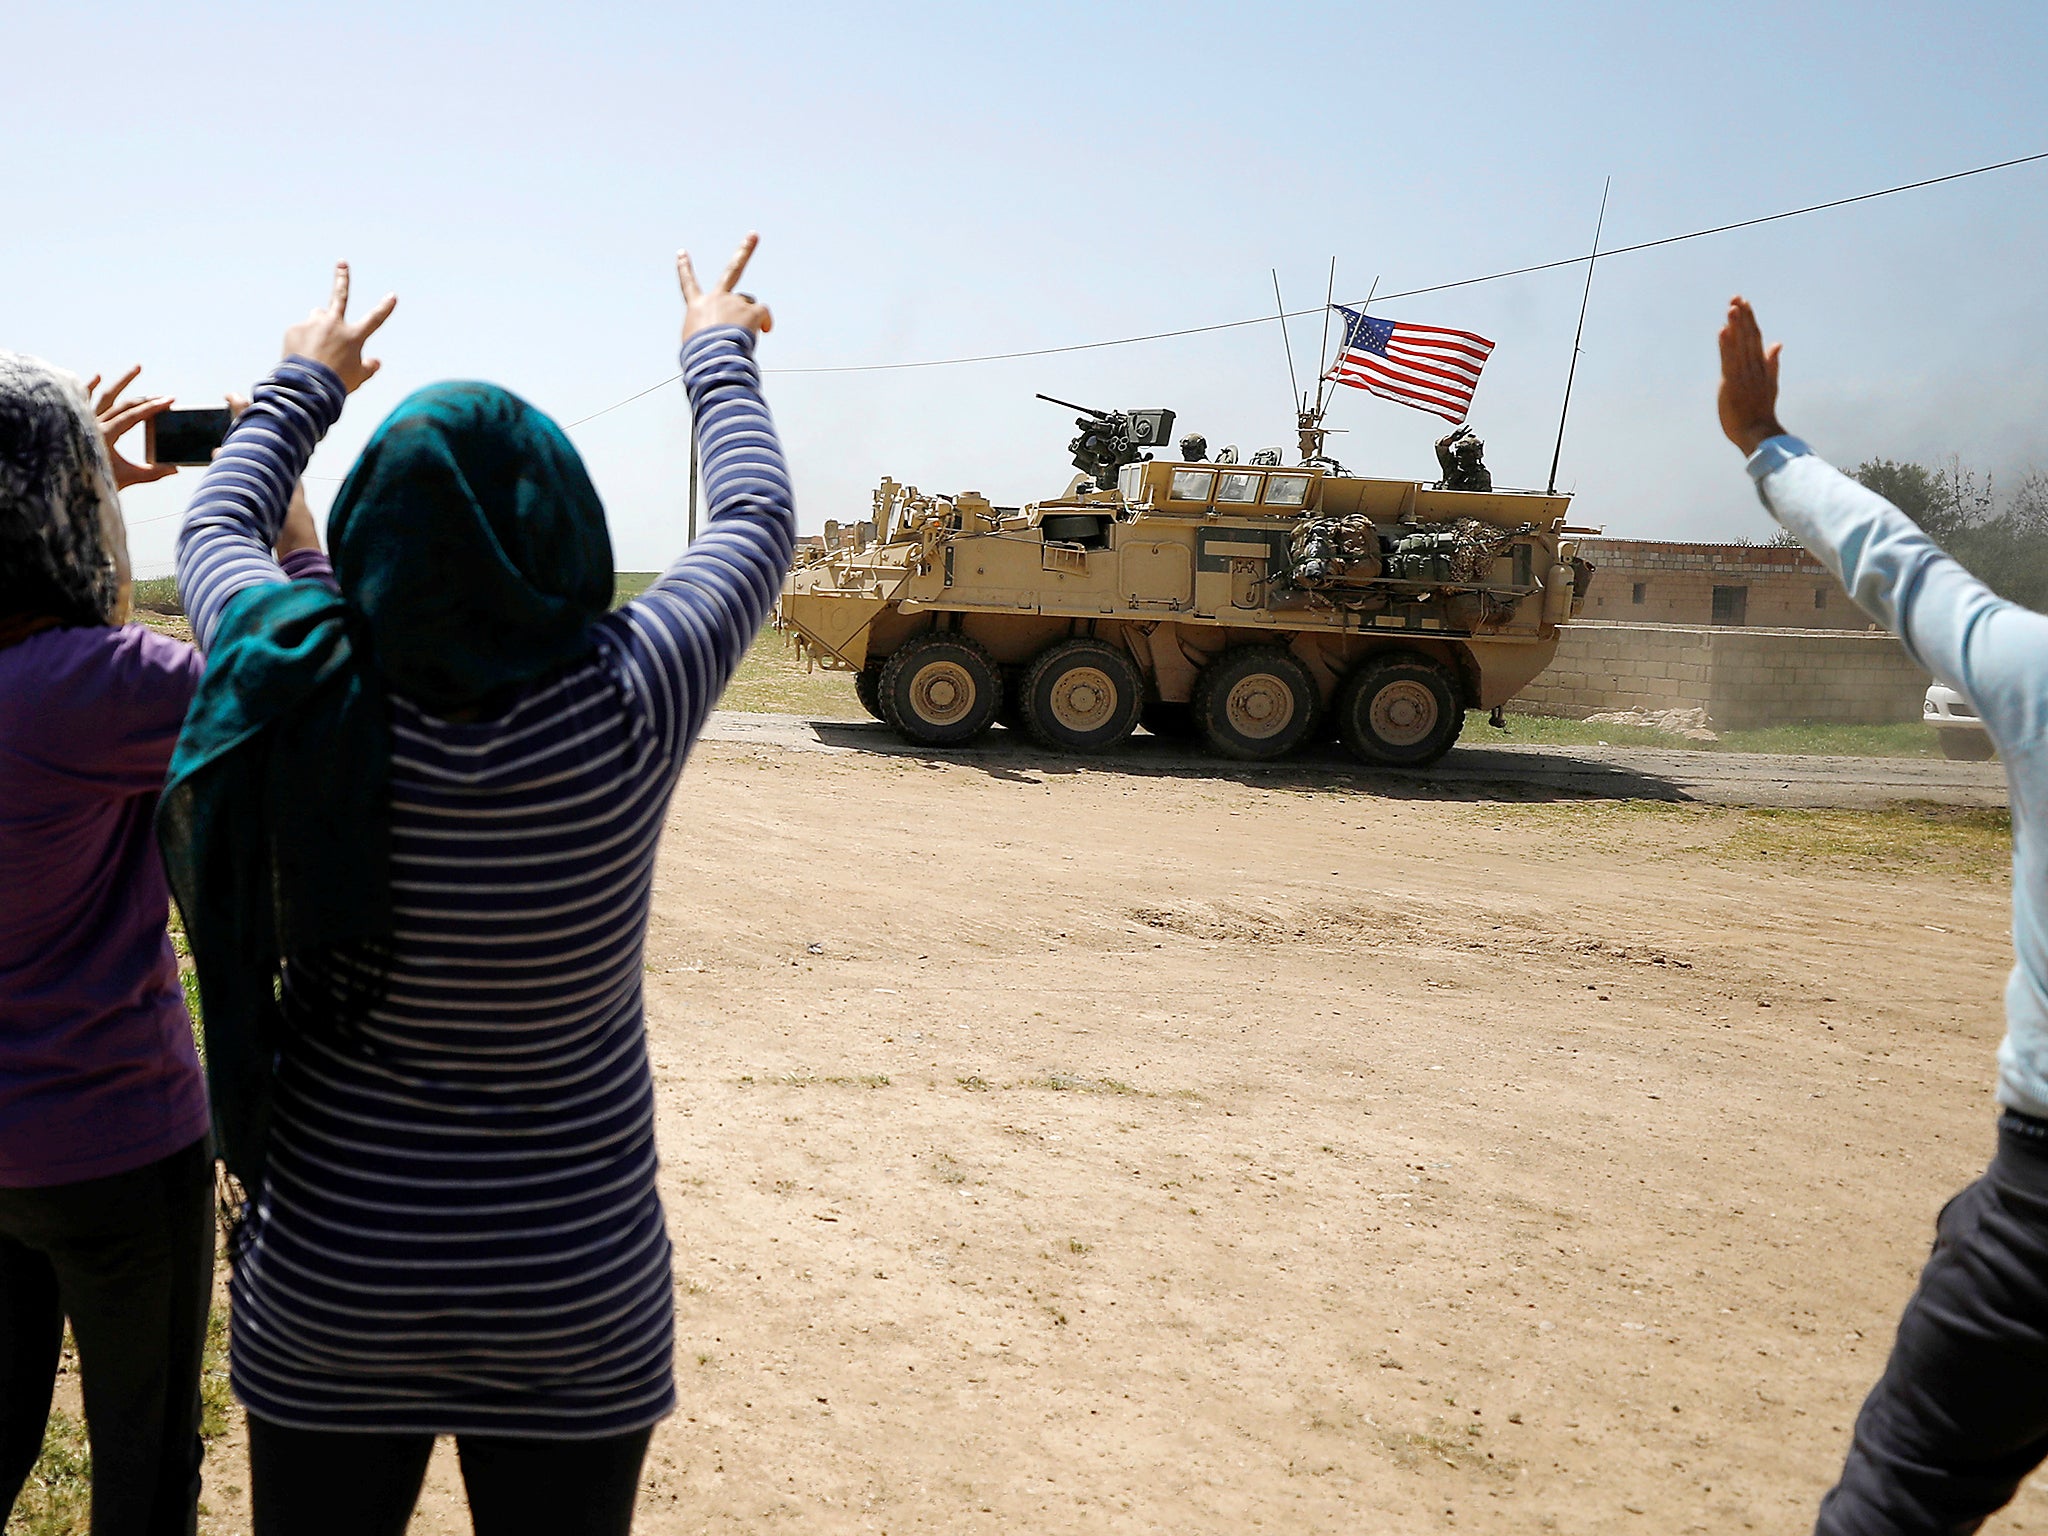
x: 1429, y: 367
x: 1370, y: 367
x: 1428, y: 397
x: 1459, y: 378
x: 1374, y: 368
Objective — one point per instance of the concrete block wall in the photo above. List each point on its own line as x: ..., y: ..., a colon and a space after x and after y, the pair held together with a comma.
x: 1742, y: 678
x: 1783, y: 587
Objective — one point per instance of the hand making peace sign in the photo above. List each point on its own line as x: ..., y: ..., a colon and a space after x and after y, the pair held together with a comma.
x: 326, y: 336
x: 720, y: 305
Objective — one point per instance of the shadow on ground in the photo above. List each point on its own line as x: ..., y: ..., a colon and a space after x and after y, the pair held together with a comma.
x: 1475, y: 772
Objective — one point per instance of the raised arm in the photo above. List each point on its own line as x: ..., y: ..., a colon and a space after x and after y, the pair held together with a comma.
x: 683, y: 637
x: 225, y: 543
x: 1952, y: 623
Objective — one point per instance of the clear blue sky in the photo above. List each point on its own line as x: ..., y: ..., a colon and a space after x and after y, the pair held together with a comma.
x: 940, y: 179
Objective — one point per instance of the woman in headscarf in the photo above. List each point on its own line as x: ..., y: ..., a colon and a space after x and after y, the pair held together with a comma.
x: 106, y: 1182
x: 412, y: 827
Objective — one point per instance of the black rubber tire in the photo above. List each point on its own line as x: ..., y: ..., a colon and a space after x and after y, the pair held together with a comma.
x: 1421, y: 696
x: 1170, y: 722
x: 867, y: 687
x: 1965, y: 746
x: 1086, y: 719
x: 1228, y: 697
x: 1010, y: 713
x: 911, y: 696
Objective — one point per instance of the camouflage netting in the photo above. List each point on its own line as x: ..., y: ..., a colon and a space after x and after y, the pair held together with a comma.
x: 1334, y: 551
x: 1463, y: 551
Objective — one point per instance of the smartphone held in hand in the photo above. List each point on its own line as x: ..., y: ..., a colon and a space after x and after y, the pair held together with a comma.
x: 187, y: 437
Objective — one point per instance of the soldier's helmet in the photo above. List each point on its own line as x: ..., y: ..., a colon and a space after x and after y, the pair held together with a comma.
x: 1194, y: 448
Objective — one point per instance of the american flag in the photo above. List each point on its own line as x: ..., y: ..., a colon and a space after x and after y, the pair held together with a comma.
x: 1425, y: 366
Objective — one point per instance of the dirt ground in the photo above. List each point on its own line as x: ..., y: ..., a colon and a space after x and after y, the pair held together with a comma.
x: 1059, y: 1149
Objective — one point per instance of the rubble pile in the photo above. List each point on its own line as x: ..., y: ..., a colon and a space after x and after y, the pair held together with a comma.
x: 1689, y: 723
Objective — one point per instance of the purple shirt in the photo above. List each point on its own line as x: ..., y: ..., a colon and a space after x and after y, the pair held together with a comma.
x: 98, y: 1074
x: 97, y: 1070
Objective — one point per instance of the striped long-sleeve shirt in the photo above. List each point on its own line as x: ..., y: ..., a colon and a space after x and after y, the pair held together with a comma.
x: 459, y: 1230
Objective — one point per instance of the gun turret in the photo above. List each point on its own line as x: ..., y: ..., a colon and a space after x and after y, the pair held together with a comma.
x: 1108, y: 440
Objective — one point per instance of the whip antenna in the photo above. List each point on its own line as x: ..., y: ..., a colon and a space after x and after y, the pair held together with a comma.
x: 1572, y: 372
x: 1293, y: 384
x: 1323, y: 347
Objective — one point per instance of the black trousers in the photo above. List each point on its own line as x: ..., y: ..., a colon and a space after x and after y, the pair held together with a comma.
x: 129, y: 1260
x: 319, y: 1482
x: 1960, y: 1416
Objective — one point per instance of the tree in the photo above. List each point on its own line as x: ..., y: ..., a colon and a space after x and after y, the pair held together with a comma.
x: 2005, y: 546
x: 1913, y: 488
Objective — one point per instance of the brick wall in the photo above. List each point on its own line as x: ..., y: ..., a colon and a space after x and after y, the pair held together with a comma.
x: 1741, y: 677
x: 1654, y: 581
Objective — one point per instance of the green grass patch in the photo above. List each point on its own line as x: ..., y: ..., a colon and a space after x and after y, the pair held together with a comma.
x: 159, y: 594
x: 216, y: 1401
x: 57, y: 1498
x: 627, y: 585
x: 1060, y: 1082
x: 772, y: 680
x: 813, y: 1080
x: 1969, y: 842
x: 1974, y: 843
x: 1903, y: 739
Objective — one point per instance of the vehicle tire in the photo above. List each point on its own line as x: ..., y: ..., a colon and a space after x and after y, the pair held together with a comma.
x: 1400, y: 711
x: 1255, y: 703
x: 867, y: 687
x: 1966, y: 746
x: 941, y: 690
x: 1082, y: 696
x: 1010, y: 713
x: 1169, y: 722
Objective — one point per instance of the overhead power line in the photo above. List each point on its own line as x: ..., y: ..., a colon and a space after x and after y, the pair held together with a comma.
x: 1406, y: 293
x: 1294, y: 314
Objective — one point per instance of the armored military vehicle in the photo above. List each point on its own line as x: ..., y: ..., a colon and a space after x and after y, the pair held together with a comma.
x: 1250, y: 604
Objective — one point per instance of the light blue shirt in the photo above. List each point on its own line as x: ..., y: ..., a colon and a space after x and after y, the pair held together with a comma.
x: 1994, y: 652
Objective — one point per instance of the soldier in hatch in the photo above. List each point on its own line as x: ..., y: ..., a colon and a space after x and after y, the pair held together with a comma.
x: 1462, y: 456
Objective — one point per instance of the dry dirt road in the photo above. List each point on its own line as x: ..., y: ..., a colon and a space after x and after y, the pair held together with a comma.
x: 1054, y: 1148
x: 1476, y: 766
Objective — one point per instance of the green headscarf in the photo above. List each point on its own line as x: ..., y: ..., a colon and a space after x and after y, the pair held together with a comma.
x: 472, y: 556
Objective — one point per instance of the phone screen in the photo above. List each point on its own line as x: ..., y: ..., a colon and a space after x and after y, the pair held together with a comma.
x: 187, y: 437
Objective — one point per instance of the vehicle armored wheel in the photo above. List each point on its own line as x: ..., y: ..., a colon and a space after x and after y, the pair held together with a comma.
x: 1169, y: 722
x: 1400, y: 710
x: 1255, y: 703
x: 1082, y: 696
x: 941, y: 690
x: 1966, y: 746
x: 867, y: 687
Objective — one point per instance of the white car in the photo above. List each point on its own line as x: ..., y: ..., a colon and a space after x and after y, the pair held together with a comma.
x: 1956, y: 726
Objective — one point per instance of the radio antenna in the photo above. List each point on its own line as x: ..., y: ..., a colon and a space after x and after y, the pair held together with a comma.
x: 1572, y: 372
x: 1323, y: 346
x: 1293, y: 384
x: 1313, y: 433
